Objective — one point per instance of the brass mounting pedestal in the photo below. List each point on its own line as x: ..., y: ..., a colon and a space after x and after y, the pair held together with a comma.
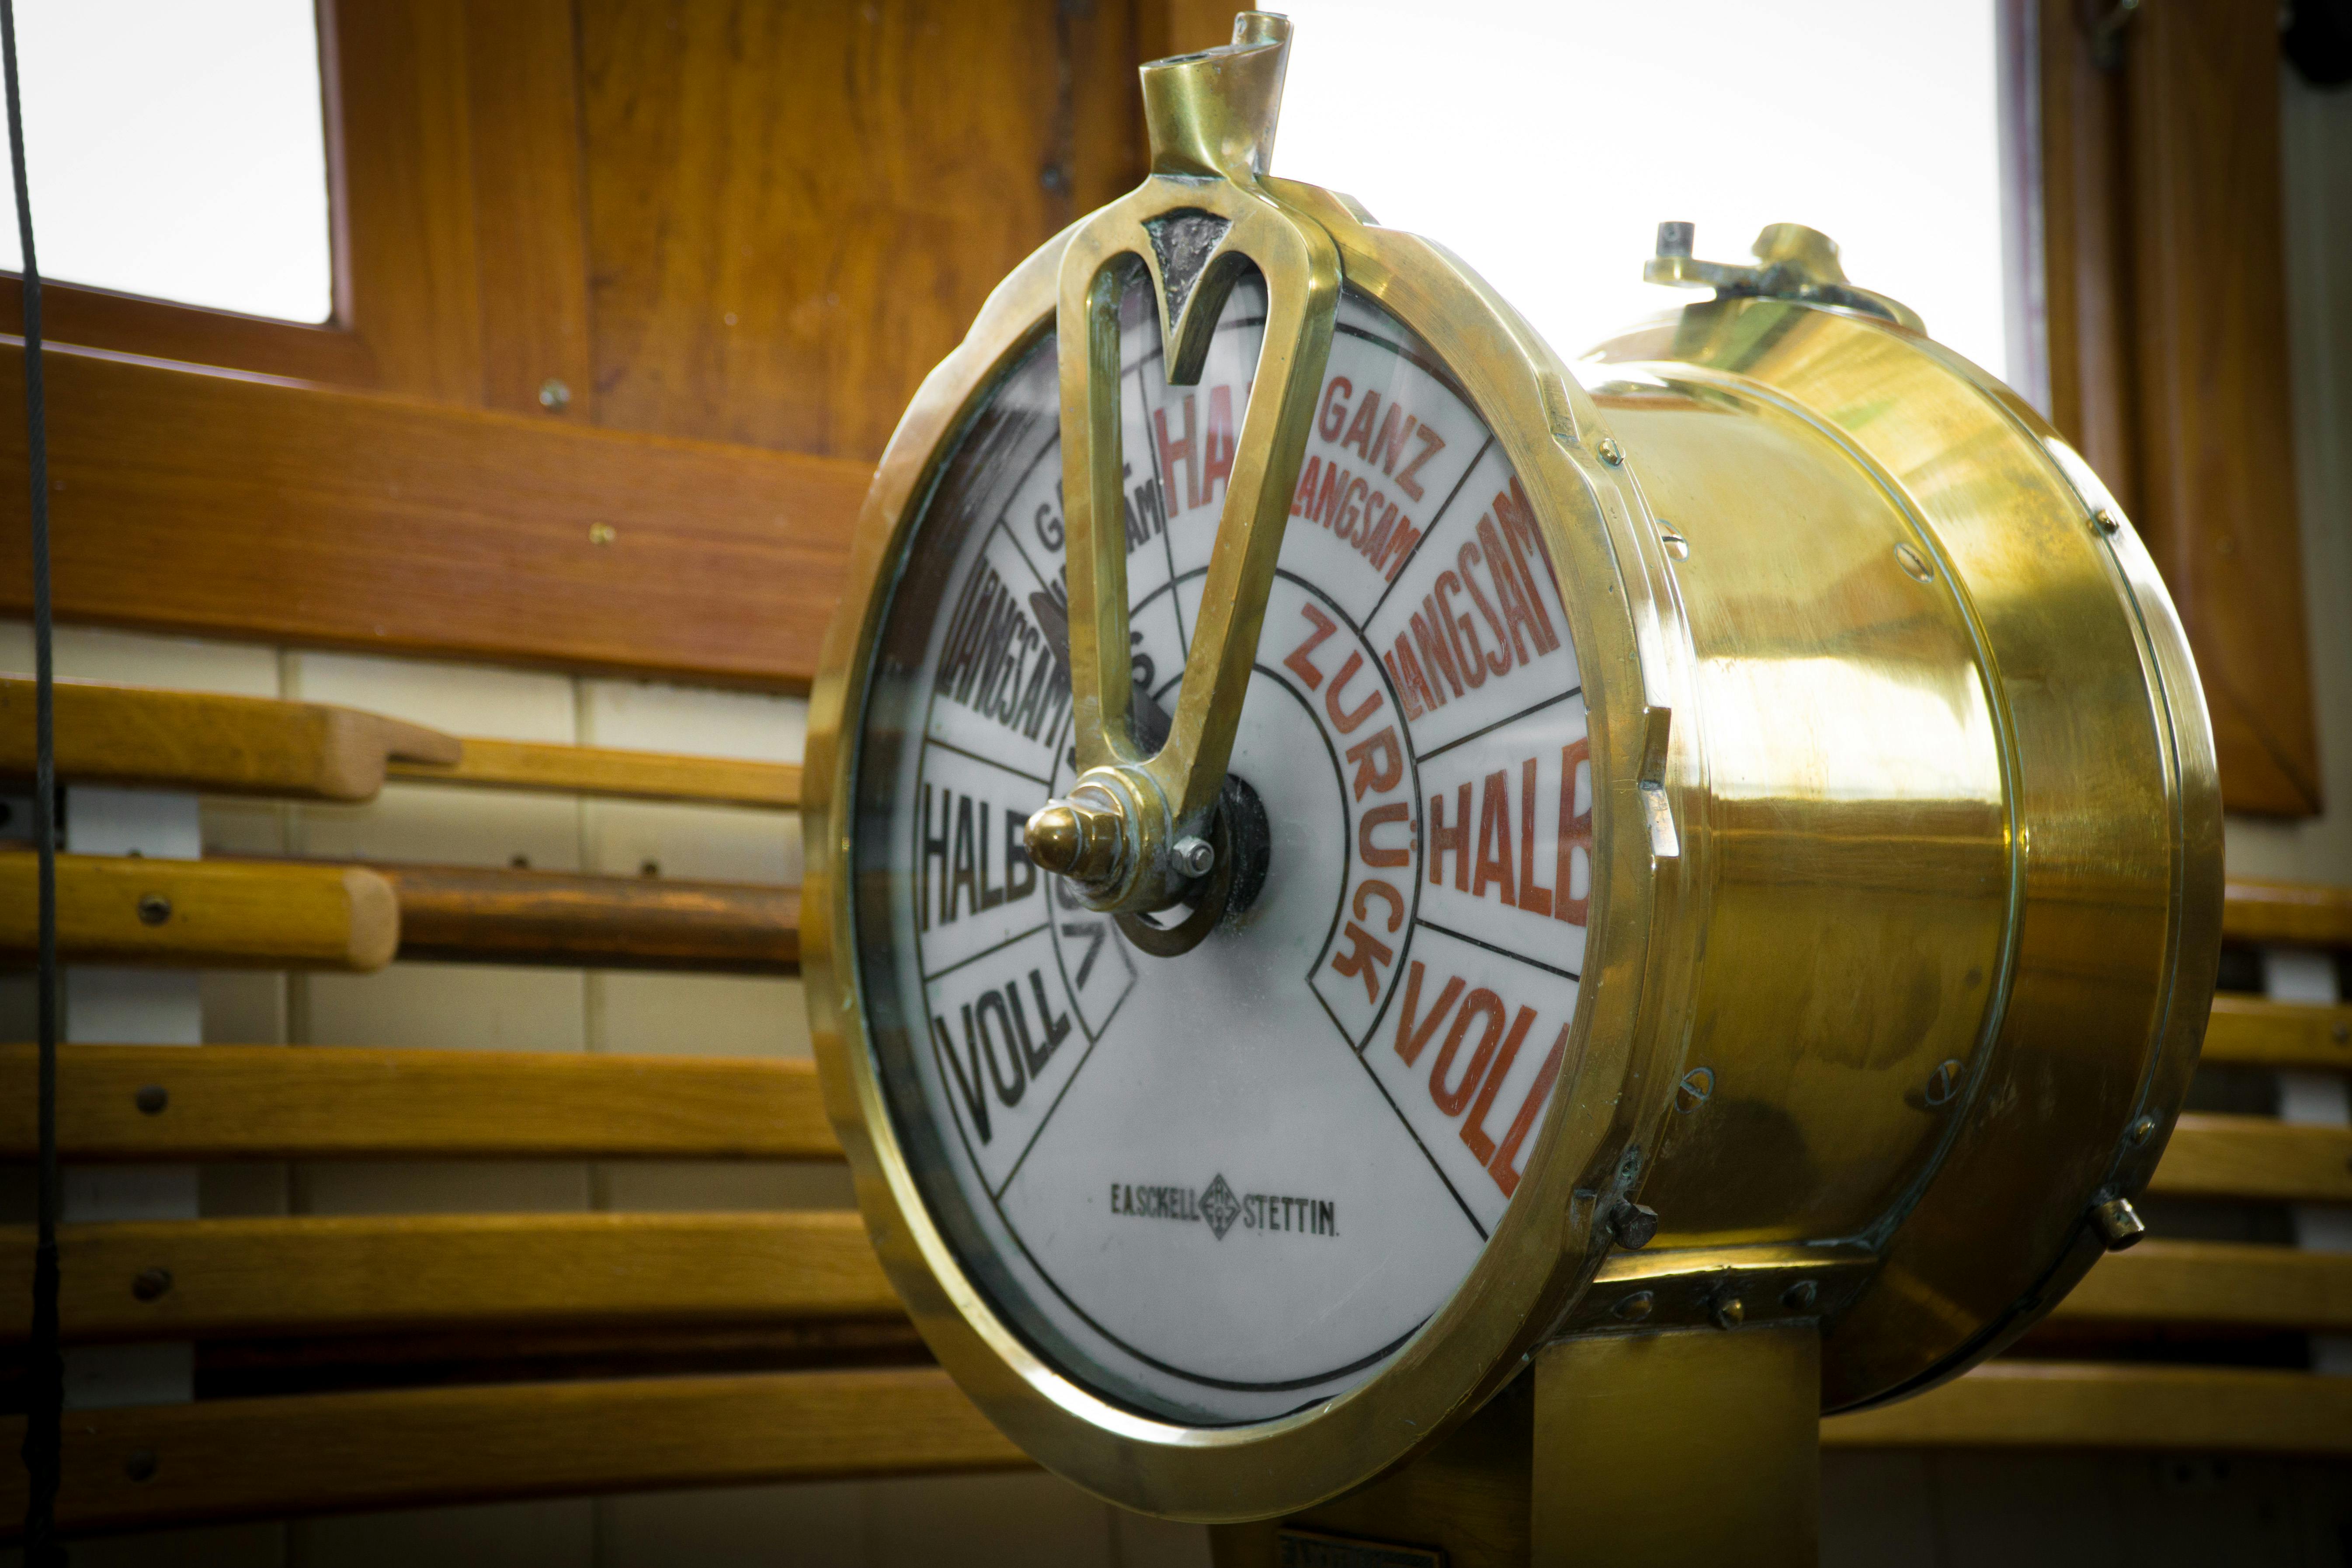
x: 1637, y: 1450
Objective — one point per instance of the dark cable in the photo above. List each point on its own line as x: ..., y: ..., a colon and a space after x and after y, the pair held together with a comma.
x: 45, y: 1416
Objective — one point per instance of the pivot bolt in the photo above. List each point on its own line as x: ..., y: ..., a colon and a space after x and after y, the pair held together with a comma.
x: 1194, y: 857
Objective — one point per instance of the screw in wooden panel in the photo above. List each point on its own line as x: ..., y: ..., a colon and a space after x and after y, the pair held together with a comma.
x: 154, y: 908
x: 149, y: 1284
x: 1611, y: 453
x: 151, y: 1099
x: 140, y: 1464
x: 1692, y: 1091
x: 602, y: 533
x: 554, y: 396
x: 1914, y: 564
x: 2104, y: 521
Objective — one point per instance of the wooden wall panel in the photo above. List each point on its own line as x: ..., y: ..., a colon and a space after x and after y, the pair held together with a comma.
x: 531, y: 229
x: 2216, y: 483
x: 231, y: 505
x: 2165, y: 280
x: 404, y: 171
x: 795, y: 211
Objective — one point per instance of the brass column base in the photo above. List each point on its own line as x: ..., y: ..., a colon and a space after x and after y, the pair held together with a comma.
x: 1647, y: 1450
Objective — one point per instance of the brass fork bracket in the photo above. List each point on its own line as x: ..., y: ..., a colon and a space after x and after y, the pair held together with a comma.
x: 1137, y: 832
x: 1792, y: 262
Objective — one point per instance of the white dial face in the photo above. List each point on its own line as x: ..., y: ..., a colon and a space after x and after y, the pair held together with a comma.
x: 1218, y: 1188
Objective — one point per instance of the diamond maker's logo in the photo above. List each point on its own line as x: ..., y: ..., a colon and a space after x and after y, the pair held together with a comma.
x: 1220, y: 1207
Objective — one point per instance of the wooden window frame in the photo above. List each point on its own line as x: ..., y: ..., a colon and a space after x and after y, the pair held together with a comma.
x: 2148, y: 320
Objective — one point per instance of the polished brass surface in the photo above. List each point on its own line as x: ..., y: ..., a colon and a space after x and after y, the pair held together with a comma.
x: 1906, y: 833
x: 1697, y: 1445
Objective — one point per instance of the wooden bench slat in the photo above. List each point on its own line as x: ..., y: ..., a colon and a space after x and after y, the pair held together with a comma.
x: 2300, y: 914
x: 2245, y: 1031
x: 325, y: 1102
x: 2220, y: 1282
x: 2255, y: 1157
x: 601, y: 770
x: 2070, y: 1404
x: 248, y: 915
x: 215, y: 744
x: 289, y: 914
x: 357, y: 1273
x: 497, y: 915
x: 318, y: 1453
x: 211, y: 744
x: 248, y: 1458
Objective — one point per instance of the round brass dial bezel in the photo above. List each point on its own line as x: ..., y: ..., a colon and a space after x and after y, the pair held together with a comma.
x: 1547, y: 1246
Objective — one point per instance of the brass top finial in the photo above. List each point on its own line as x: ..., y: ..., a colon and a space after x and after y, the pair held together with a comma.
x: 1213, y: 113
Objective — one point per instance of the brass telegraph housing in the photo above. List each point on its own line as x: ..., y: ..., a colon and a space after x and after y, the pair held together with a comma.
x: 1905, y: 855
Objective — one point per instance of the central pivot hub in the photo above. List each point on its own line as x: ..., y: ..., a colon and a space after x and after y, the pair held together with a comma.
x: 1122, y: 857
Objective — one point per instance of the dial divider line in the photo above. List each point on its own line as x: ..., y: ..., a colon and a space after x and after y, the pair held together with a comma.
x: 986, y: 761
x: 984, y: 953
x: 1502, y: 952
x: 1438, y: 751
x: 1431, y: 531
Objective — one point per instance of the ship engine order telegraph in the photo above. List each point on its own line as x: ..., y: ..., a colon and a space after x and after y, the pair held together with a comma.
x: 1391, y: 924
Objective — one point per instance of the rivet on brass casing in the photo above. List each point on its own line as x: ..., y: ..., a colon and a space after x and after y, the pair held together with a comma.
x: 1633, y: 1224
x: 2141, y: 1131
x: 1914, y: 564
x: 154, y: 908
x: 151, y: 1099
x: 2120, y: 1224
x: 1726, y: 1308
x: 139, y: 1464
x: 1801, y: 1297
x: 1636, y: 1306
x: 1692, y: 1091
x: 2104, y: 521
x: 1676, y: 546
x: 1611, y: 453
x: 150, y: 1284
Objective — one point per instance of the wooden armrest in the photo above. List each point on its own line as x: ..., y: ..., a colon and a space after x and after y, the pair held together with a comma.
x: 2062, y: 1404
x: 2222, y: 1282
x: 214, y: 744
x: 315, y: 1103
x: 266, y: 1459
x: 2255, y: 1157
x: 2246, y: 1032
x: 595, y: 770
x: 2301, y: 914
x: 211, y: 1278
x: 236, y: 914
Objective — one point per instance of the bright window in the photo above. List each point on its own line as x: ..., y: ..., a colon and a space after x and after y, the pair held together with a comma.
x: 1543, y: 141
x: 177, y: 149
